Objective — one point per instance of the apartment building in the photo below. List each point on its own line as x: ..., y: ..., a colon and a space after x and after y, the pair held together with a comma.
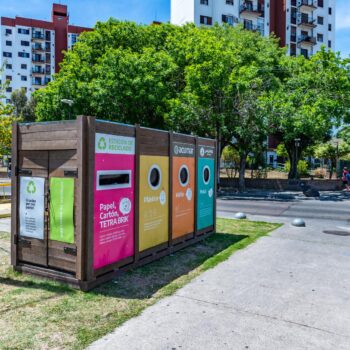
x: 302, y: 25
x: 31, y: 49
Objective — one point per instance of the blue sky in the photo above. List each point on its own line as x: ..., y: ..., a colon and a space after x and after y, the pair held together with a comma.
x: 87, y: 12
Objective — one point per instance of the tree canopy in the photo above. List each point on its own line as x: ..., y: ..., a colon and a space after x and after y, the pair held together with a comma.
x: 223, y: 82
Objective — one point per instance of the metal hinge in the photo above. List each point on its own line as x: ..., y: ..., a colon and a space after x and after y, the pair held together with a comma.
x: 70, y: 250
x: 71, y: 173
x: 25, y: 172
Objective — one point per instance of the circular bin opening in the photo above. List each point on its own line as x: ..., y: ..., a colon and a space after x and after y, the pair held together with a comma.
x: 206, y: 175
x: 154, y: 177
x: 184, y: 175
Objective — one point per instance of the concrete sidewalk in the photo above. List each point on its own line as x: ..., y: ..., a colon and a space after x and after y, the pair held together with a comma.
x: 289, y: 290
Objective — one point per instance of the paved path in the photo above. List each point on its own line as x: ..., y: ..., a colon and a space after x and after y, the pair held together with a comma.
x: 5, y: 225
x: 289, y: 290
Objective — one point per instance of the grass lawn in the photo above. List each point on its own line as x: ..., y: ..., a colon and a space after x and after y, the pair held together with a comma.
x: 40, y: 314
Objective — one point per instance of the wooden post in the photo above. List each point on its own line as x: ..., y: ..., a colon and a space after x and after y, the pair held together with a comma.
x: 170, y: 221
x: 90, y: 174
x: 81, y: 218
x: 14, y: 195
x: 137, y: 196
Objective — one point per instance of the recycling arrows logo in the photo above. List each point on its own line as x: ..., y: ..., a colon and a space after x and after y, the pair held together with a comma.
x: 31, y: 188
x: 102, y: 144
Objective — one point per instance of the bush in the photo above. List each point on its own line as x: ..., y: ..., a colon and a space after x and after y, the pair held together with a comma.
x: 320, y: 173
x: 303, y: 167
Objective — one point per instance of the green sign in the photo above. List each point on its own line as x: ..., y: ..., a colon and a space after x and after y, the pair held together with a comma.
x: 62, y: 209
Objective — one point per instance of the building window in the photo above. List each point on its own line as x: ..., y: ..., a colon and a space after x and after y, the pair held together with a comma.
x: 206, y: 20
x: 329, y: 10
x: 9, y: 77
x: 74, y: 38
x: 23, y: 54
x: 320, y: 38
x: 23, y: 78
x: 229, y: 2
x: 204, y: 2
x: 329, y: 27
x: 24, y: 43
x: 330, y: 44
x: 48, y: 35
x: 8, y: 31
x: 8, y: 66
x: 9, y: 89
x: 304, y: 53
x: 320, y: 20
x: 23, y: 31
x: 320, y: 3
x: 8, y: 43
x: 23, y: 66
x: 8, y: 101
x: 7, y: 54
x: 228, y: 19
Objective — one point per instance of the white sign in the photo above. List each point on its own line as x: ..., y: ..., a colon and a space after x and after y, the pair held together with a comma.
x: 114, y: 144
x: 32, y: 207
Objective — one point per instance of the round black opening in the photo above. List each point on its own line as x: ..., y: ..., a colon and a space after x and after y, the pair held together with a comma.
x: 184, y: 176
x: 154, y: 177
x: 206, y: 175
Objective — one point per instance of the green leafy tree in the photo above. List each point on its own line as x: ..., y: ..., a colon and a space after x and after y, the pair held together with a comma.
x: 22, y: 107
x: 227, y: 73
x: 313, y: 97
x: 333, y: 151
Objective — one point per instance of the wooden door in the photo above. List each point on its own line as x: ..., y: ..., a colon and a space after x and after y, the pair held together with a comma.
x: 62, y: 254
x: 31, y: 174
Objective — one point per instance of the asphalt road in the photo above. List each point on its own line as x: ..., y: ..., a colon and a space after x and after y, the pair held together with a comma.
x: 328, y: 208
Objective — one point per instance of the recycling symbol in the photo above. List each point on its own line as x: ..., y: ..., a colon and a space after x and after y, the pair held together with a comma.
x: 102, y: 145
x: 31, y: 188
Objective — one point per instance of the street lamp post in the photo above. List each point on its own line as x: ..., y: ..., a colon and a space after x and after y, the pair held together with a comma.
x: 70, y: 104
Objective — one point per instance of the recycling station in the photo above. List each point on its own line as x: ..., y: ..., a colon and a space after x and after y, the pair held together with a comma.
x: 92, y: 199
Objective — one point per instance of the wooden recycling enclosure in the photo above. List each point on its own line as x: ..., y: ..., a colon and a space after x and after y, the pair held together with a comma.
x: 91, y: 198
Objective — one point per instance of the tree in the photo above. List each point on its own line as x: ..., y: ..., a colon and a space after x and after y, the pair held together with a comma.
x: 333, y: 151
x: 312, y: 98
x: 6, y: 121
x: 228, y: 71
x: 23, y: 107
x: 19, y: 100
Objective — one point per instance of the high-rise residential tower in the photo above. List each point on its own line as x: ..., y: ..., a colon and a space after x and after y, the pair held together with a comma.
x: 31, y: 49
x: 302, y: 25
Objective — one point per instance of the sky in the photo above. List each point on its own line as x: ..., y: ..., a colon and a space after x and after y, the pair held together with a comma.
x: 88, y: 12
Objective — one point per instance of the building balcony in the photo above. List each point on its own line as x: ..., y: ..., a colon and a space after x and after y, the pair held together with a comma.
x: 38, y: 36
x: 38, y: 60
x: 249, y: 9
x: 307, y: 5
x: 38, y: 48
x: 307, y: 40
x: 307, y: 22
x: 38, y: 71
x: 253, y: 28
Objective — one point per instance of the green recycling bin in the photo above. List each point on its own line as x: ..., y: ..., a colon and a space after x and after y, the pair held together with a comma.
x: 205, y: 187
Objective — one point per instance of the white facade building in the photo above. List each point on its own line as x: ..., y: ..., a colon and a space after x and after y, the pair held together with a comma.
x: 302, y: 25
x: 31, y: 50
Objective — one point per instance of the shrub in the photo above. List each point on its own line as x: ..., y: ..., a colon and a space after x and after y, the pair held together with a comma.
x: 303, y: 167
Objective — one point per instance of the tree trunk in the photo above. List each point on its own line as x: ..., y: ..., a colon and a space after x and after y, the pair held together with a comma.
x: 242, y: 167
x: 294, y: 159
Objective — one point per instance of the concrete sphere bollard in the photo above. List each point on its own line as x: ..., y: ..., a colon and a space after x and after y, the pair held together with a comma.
x: 240, y: 216
x: 298, y: 223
